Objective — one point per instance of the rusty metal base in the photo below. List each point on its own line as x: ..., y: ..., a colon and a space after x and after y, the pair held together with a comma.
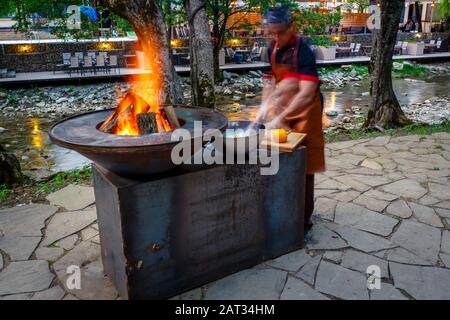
x: 165, y: 236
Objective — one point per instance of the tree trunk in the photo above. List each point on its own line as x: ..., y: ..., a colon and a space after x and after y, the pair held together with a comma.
x: 201, y: 52
x: 384, y: 108
x: 10, y: 173
x: 217, y: 72
x: 146, y: 18
x: 418, y: 16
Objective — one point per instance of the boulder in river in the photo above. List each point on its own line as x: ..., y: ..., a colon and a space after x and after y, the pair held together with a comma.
x: 10, y: 172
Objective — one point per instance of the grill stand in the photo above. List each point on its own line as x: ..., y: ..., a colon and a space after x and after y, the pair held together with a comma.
x: 179, y: 231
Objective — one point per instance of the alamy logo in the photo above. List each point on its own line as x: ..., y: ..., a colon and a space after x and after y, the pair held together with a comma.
x: 236, y: 146
x: 73, y: 281
x: 74, y: 19
x: 373, y: 277
x: 374, y: 21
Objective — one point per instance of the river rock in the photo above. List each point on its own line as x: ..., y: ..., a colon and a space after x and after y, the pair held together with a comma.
x: 10, y: 171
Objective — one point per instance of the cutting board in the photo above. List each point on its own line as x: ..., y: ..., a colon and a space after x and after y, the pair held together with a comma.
x: 292, y: 143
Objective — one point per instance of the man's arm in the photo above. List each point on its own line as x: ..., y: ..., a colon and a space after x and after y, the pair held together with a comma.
x: 303, y: 98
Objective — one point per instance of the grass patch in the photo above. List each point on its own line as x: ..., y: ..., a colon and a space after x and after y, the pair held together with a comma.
x: 361, y: 70
x: 36, y: 192
x: 363, y: 133
x: 4, y: 193
x: 411, y: 70
x: 60, y: 180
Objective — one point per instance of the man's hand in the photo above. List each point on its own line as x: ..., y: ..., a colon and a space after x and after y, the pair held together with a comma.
x: 278, y: 123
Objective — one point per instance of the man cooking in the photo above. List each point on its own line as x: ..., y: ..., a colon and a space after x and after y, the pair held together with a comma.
x: 291, y: 95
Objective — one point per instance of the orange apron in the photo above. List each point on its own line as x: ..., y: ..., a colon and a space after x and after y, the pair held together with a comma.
x: 309, y: 119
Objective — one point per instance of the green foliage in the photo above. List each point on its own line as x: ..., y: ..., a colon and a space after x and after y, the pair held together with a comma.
x: 361, y: 4
x: 323, y: 41
x: 12, y: 98
x: 410, y: 69
x: 443, y: 9
x: 361, y: 70
x: 4, y: 193
x: 312, y: 22
x: 7, y: 8
x: 173, y: 12
x: 62, y: 179
x: 34, y: 14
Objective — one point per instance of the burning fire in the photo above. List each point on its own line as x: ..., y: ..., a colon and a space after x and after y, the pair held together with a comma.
x: 142, y: 102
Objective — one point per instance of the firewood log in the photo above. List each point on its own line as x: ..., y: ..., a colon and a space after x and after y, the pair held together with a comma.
x: 111, y: 121
x: 171, y: 117
x: 111, y: 125
x: 147, y: 123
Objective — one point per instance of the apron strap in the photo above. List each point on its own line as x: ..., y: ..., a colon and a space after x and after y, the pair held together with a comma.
x: 273, y: 57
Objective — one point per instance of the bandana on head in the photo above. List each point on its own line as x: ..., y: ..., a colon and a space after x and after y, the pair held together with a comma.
x: 278, y: 15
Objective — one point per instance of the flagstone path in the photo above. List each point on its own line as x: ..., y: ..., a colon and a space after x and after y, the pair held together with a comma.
x: 383, y: 202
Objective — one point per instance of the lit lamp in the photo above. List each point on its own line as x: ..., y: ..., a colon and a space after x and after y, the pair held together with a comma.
x: 25, y: 49
x: 105, y: 46
x: 235, y: 42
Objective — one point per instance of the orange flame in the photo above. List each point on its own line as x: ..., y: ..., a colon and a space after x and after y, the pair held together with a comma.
x: 144, y: 96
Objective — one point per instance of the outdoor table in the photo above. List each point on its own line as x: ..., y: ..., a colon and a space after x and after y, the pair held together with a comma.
x: 132, y: 57
x: 62, y: 66
x: 344, y: 50
x: 244, y: 52
x: 178, y: 56
x: 366, y: 50
x: 430, y: 47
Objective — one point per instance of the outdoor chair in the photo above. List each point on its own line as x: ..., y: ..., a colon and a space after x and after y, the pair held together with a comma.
x: 74, y: 65
x: 113, y: 63
x: 432, y: 41
x: 398, y: 47
x: 230, y: 54
x: 88, y: 64
x: 93, y: 56
x: 100, y: 63
x: 404, y: 48
x: 65, y: 62
x: 438, y: 44
x: 66, y: 58
x: 80, y: 56
x: 3, y: 72
x: 255, y: 56
x: 357, y: 49
x: 264, y: 55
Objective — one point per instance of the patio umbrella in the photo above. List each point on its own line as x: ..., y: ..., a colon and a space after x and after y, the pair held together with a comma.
x: 90, y: 12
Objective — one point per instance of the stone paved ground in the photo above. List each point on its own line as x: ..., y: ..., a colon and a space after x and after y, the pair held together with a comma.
x: 384, y: 202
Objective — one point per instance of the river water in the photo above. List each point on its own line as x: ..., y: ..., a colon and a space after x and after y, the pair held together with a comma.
x: 28, y: 138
